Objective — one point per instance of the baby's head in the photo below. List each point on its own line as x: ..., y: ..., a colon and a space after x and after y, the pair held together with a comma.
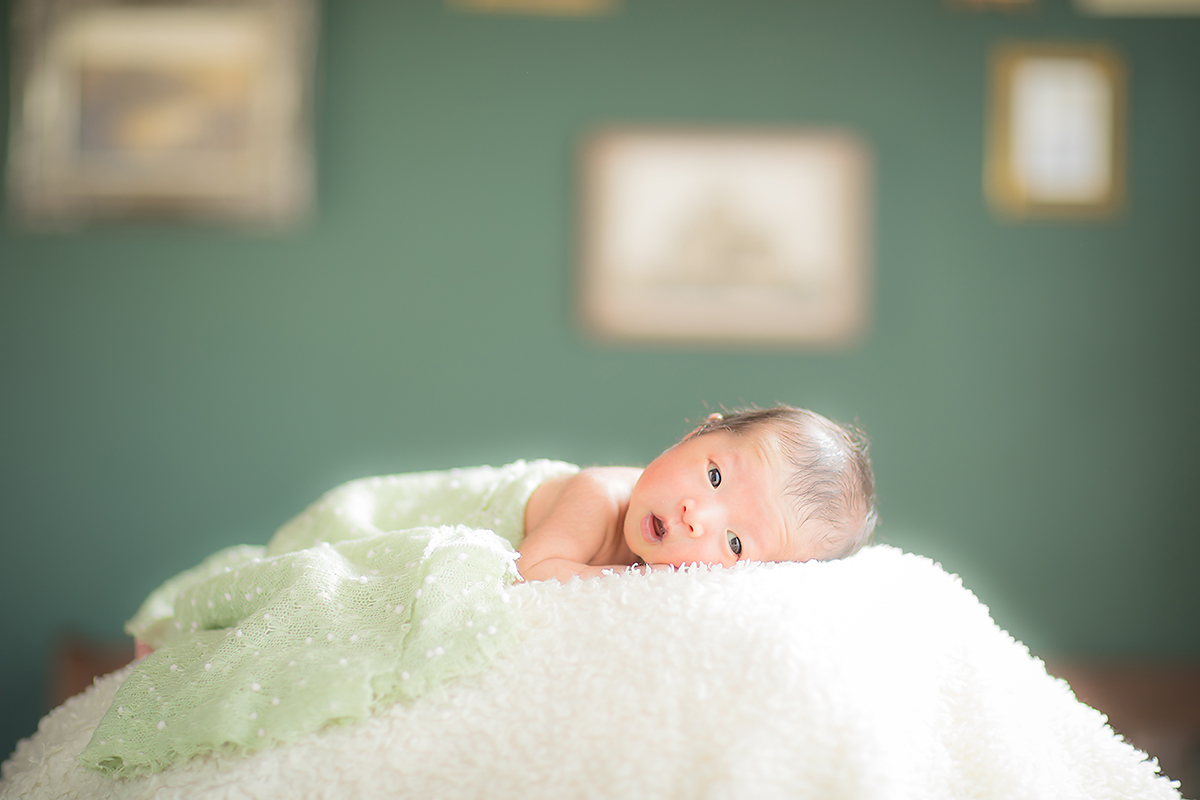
x: 775, y: 484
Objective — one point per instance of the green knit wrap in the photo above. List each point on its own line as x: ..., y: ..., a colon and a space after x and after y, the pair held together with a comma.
x: 337, y: 616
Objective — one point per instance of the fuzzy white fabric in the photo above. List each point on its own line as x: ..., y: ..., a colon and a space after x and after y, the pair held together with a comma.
x: 878, y: 676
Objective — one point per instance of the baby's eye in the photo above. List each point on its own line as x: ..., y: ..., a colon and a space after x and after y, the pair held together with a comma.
x: 714, y: 476
x: 735, y: 544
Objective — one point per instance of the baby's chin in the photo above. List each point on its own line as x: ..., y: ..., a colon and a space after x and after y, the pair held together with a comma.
x: 633, y: 540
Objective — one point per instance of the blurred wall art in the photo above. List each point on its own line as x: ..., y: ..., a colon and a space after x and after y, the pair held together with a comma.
x: 195, y: 110
x: 726, y: 235
x: 1056, y: 134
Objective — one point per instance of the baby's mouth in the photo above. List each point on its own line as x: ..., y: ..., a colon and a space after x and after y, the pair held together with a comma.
x: 654, y: 530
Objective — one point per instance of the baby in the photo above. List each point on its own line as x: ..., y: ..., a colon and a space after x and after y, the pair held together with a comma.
x: 776, y: 484
x: 390, y: 586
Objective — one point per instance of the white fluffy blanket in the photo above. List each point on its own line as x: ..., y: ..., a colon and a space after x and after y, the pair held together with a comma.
x: 875, y: 677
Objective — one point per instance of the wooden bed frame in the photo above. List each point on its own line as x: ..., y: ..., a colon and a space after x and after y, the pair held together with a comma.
x: 1154, y: 705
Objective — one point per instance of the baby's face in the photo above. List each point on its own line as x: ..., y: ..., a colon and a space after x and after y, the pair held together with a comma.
x: 717, y: 498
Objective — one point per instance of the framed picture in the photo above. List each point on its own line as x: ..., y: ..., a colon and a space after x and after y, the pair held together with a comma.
x: 1140, y: 8
x: 1056, y: 131
x: 994, y: 5
x: 193, y: 109
x: 726, y: 236
x: 559, y: 7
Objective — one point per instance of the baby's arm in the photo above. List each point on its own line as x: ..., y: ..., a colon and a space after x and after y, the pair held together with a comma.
x: 573, y: 525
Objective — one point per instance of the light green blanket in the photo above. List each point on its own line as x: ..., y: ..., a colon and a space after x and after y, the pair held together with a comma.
x: 382, y: 590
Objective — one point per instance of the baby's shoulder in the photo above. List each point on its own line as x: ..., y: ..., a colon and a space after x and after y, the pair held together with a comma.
x: 619, y: 479
x: 607, y: 486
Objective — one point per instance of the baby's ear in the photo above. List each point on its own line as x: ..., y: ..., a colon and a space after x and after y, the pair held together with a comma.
x: 714, y: 417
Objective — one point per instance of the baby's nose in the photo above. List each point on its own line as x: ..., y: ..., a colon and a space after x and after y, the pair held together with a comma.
x: 693, y: 524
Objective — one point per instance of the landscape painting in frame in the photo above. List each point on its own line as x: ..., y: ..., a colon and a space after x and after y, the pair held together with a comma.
x: 192, y: 109
x: 726, y: 236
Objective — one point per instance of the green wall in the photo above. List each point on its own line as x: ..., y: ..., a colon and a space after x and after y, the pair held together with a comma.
x: 1030, y: 388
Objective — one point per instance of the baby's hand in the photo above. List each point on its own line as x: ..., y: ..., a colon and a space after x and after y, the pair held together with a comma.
x: 141, y: 649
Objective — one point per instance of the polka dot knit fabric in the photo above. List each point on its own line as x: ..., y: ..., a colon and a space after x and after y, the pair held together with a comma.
x: 380, y: 591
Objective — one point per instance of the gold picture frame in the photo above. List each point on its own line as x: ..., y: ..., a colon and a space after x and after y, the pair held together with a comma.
x: 726, y: 236
x: 1056, y: 130
x: 185, y: 109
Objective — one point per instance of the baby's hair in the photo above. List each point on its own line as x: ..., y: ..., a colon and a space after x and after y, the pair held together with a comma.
x: 831, y: 477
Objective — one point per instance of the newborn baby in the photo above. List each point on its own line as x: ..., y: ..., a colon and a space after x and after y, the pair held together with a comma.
x: 776, y: 484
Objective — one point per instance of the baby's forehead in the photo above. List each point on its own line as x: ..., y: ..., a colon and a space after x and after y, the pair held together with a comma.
x: 798, y: 540
x: 809, y: 535
x: 809, y: 464
x: 764, y: 444
x: 750, y: 449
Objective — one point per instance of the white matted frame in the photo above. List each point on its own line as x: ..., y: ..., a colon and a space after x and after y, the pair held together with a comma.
x: 726, y: 236
x: 190, y: 109
x: 1056, y: 132
x: 1140, y: 8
